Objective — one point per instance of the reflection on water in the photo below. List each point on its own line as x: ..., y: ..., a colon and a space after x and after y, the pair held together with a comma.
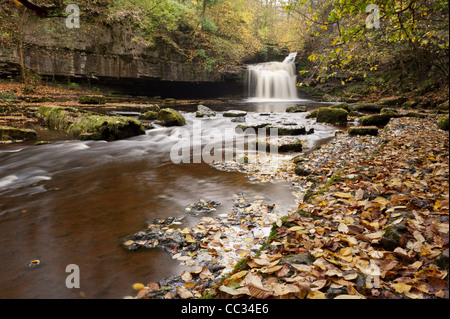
x: 73, y: 202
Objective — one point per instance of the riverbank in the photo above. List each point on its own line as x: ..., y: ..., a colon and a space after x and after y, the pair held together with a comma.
x: 372, y: 222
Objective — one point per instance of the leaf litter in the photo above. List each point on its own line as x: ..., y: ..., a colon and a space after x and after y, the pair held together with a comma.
x: 372, y: 222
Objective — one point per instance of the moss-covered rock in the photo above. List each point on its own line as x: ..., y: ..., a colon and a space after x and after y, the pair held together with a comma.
x: 148, y: 116
x: 8, y: 133
x: 443, y: 123
x: 331, y: 115
x: 363, y: 130
x: 203, y: 111
x: 296, y: 109
x: 389, y: 111
x: 88, y: 126
x: 392, y: 235
x: 344, y: 106
x: 170, y: 117
x: 286, y: 130
x: 393, y: 101
x: 91, y: 99
x: 375, y: 120
x: 312, y: 115
x: 367, y: 107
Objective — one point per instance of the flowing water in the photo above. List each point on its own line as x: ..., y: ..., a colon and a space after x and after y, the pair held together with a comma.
x: 72, y: 202
x: 273, y: 81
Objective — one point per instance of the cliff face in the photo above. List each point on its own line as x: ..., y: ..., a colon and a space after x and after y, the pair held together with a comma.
x: 105, y: 55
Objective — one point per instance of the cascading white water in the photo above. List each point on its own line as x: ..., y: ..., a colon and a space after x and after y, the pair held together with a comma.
x: 273, y: 80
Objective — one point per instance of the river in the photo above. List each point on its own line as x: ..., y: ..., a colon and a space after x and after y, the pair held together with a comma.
x: 72, y: 202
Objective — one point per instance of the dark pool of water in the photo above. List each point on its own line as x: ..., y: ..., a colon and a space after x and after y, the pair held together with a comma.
x: 73, y: 202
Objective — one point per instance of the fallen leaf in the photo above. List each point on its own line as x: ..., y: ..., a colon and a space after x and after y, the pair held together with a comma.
x: 184, y: 293
x: 316, y: 295
x: 401, y: 288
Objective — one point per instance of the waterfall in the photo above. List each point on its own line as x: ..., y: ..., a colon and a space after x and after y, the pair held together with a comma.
x: 273, y: 80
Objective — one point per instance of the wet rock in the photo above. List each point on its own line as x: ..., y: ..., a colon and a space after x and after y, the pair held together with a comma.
x: 170, y: 117
x: 391, y: 237
x: 235, y: 113
x: 442, y: 260
x: 16, y: 134
x: 367, y: 107
x: 331, y: 115
x: 300, y: 171
x: 91, y: 99
x: 375, y: 120
x: 251, y: 128
x: 203, y: 111
x: 152, y: 108
x: 286, y: 131
x: 202, y: 206
x: 312, y: 115
x: 334, y: 292
x: 296, y: 109
x: 365, y: 130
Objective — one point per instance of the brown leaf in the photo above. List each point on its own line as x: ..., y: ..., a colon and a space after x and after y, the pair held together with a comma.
x: 259, y: 292
x: 184, y: 293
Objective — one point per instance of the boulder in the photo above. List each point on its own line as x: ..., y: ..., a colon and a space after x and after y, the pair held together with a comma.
x: 16, y: 134
x: 364, y: 130
x: 344, y: 106
x: 296, y: 109
x: 234, y: 113
x: 170, y: 117
x: 89, y: 126
x: 148, y: 116
x: 203, y: 111
x: 91, y: 99
x: 312, y: 115
x: 375, y: 120
x: 443, y: 123
x: 367, y: 107
x: 393, y: 101
x: 331, y: 115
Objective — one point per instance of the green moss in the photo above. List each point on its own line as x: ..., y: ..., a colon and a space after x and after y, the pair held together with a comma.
x: 91, y: 99
x: 12, y: 133
x: 87, y: 126
x: 343, y: 106
x: 375, y: 120
x: 332, y: 115
x: 371, y: 108
x: 443, y: 123
x: 149, y: 116
x: 170, y: 117
x: 366, y: 130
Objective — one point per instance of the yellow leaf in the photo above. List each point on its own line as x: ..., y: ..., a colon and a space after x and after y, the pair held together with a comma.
x: 295, y: 228
x: 239, y: 275
x: 343, y: 195
x: 189, y: 285
x: 402, y: 288
x: 349, y: 297
x: 316, y: 295
x: 138, y: 286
